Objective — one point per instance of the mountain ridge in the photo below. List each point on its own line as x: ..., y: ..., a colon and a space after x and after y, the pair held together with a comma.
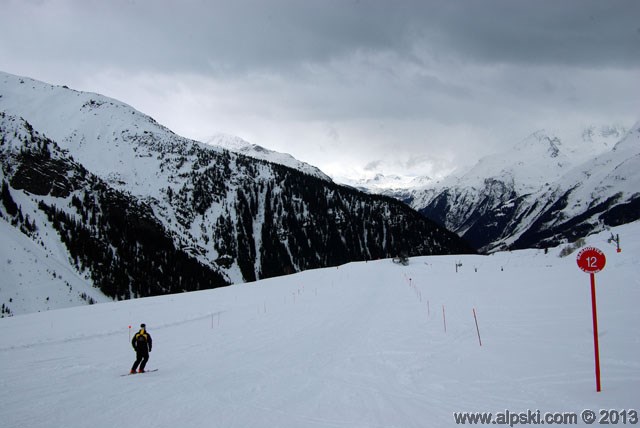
x: 525, y: 200
x: 241, y: 146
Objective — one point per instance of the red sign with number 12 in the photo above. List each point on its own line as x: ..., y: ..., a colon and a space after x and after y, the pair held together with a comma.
x: 591, y: 260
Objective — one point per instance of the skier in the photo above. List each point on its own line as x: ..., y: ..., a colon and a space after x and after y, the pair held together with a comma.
x: 141, y: 342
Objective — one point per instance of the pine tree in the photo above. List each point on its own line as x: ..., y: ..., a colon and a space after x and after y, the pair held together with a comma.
x: 7, y: 200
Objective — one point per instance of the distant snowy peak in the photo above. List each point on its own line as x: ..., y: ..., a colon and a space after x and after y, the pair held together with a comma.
x: 537, y: 159
x: 383, y: 183
x: 607, y: 135
x: 631, y: 140
x: 542, y: 142
x: 238, y: 145
x: 542, y: 157
x: 580, y: 145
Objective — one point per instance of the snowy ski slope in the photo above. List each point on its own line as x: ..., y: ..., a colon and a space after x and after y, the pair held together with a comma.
x: 362, y: 345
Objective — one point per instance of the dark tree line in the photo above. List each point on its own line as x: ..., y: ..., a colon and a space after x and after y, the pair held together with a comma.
x: 126, y: 250
x: 14, y: 212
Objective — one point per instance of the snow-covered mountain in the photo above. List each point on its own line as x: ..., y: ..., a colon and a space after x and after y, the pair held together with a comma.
x: 124, y: 205
x: 243, y: 147
x: 544, y: 191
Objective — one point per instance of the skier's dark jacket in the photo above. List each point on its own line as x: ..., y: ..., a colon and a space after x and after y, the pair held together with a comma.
x: 139, y: 343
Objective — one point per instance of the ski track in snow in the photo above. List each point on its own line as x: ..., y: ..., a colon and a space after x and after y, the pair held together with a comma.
x: 362, y: 345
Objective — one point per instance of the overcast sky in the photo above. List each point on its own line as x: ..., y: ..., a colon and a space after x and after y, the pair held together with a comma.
x: 410, y: 87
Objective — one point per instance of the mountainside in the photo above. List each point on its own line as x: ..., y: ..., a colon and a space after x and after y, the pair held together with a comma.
x: 542, y: 192
x: 137, y: 210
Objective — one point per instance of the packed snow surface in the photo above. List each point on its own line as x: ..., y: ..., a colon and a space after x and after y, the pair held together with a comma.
x: 362, y: 345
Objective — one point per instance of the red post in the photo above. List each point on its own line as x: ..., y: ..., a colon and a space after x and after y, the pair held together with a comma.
x: 592, y: 261
x: 477, y: 329
x: 594, y: 313
x: 444, y: 319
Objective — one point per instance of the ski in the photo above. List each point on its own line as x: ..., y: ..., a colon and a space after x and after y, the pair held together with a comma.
x: 136, y: 373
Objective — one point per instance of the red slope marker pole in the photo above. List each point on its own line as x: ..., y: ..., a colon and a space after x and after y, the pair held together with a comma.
x: 596, y: 348
x: 592, y: 261
x: 477, y: 329
x: 444, y: 319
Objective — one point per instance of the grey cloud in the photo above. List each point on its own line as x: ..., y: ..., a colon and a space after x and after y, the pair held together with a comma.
x: 373, y: 165
x: 383, y: 77
x: 590, y: 32
x: 240, y: 35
